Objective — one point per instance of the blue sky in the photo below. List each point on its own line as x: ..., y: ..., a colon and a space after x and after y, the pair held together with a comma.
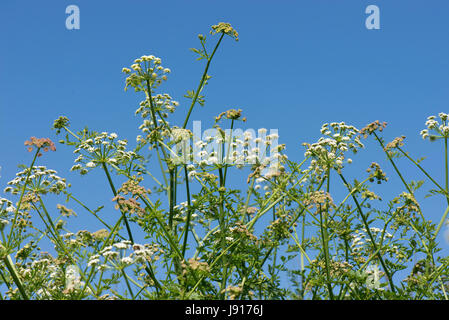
x: 297, y: 65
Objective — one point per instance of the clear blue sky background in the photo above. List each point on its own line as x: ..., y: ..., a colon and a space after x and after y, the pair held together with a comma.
x: 297, y: 65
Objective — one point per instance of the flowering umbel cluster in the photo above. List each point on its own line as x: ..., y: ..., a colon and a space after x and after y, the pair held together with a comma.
x: 435, y: 129
x: 154, y: 112
x: 38, y: 180
x: 376, y: 173
x: 115, y: 257
x: 132, y: 204
x: 96, y: 149
x: 146, y: 71
x: 60, y: 123
x: 6, y: 208
x: 226, y: 28
x: 208, y: 239
x: 232, y: 114
x: 41, y: 144
x: 373, y: 127
x: 329, y: 151
x: 397, y: 142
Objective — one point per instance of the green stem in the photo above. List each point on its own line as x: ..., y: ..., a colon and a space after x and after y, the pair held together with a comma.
x: 89, y: 210
x: 125, y: 276
x: 111, y: 184
x: 303, y: 252
x: 171, y: 203
x: 425, y: 172
x: 16, y: 213
x: 222, y: 224
x: 53, y: 227
x: 368, y: 231
x: 325, y: 238
x: 325, y: 241
x: 189, y: 214
x: 201, y: 84
x: 148, y: 267
x: 168, y: 235
x: 227, y: 154
x: 440, y: 224
x: 446, y: 165
x: 235, y: 242
x: 15, y: 276
x: 153, y: 115
x: 397, y: 171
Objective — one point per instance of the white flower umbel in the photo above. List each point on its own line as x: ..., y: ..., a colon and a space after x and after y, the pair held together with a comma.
x: 329, y: 151
x: 233, y: 147
x: 40, y: 181
x: 96, y: 149
x: 436, y: 129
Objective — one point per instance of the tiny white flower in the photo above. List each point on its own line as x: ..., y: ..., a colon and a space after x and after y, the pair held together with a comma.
x: 260, y: 180
x: 93, y: 262
x: 213, y: 160
x: 90, y: 164
x: 191, y: 174
x: 121, y: 245
x: 136, y: 66
x: 110, y: 254
x: 127, y: 260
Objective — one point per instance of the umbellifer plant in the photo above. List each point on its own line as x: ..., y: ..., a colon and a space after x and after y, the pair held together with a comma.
x: 280, y: 234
